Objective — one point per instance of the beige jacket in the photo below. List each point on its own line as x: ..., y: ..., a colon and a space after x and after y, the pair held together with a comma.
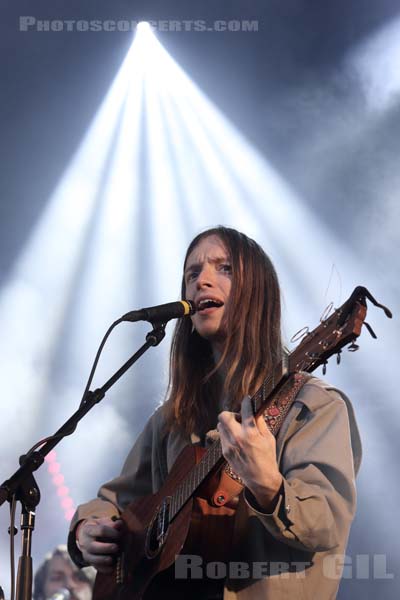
x: 295, y: 552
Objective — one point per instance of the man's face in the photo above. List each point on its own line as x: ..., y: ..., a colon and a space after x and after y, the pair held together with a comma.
x: 208, y: 277
x: 60, y: 575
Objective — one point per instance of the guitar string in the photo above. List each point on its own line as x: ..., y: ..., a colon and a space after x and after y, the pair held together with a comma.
x: 210, y: 458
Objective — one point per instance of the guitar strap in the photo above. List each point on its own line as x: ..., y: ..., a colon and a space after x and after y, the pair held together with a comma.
x: 230, y: 484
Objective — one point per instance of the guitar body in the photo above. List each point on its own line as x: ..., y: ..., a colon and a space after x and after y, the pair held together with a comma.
x: 145, y: 553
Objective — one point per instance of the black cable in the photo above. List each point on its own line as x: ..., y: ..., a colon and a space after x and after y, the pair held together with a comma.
x: 96, y: 360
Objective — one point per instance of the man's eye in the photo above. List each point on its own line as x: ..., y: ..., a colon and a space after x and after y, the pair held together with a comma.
x: 226, y: 267
x: 192, y: 275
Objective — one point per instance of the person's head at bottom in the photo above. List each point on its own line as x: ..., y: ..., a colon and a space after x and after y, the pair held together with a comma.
x: 58, y: 574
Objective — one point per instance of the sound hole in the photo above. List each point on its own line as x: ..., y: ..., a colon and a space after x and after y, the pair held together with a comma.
x: 158, y: 529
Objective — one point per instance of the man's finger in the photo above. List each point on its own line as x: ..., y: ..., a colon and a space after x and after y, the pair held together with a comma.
x: 227, y: 431
x: 102, y: 531
x: 103, y: 548
x: 248, y: 420
x: 262, y: 425
x: 229, y: 422
x: 104, y: 564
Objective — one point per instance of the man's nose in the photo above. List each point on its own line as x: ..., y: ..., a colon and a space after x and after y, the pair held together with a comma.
x: 205, y: 278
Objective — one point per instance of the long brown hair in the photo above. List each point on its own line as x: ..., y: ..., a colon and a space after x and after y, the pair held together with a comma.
x: 252, y: 347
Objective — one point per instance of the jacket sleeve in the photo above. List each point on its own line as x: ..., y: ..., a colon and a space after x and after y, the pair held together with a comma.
x: 140, y: 476
x: 317, y: 501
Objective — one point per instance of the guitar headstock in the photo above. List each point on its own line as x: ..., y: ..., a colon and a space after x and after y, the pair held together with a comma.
x: 339, y: 329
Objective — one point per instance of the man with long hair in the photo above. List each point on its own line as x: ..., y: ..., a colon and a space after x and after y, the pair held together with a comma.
x: 291, y: 522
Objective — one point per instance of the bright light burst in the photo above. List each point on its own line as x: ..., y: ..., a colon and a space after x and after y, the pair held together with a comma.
x: 376, y: 59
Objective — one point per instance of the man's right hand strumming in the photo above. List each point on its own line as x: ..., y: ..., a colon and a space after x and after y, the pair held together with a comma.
x: 99, y: 541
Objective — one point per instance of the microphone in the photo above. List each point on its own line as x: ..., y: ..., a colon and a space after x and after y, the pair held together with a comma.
x: 62, y: 594
x: 162, y: 313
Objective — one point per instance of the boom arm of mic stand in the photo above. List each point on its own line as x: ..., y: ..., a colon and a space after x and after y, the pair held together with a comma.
x: 22, y: 484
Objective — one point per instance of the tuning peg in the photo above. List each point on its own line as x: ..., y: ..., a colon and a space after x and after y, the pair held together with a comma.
x: 371, y: 331
x: 324, y: 368
x: 338, y: 357
x: 353, y: 347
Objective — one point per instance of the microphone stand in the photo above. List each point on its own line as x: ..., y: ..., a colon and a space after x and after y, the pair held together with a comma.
x: 22, y: 483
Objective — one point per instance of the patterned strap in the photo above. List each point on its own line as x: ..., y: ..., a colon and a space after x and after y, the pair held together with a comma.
x: 278, y: 408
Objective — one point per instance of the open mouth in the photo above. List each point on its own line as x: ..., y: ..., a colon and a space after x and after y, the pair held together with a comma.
x: 208, y: 303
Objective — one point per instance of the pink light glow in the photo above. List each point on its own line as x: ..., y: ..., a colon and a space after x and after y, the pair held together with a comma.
x: 67, y: 502
x: 51, y: 457
x: 68, y: 514
x: 58, y: 479
x: 54, y: 467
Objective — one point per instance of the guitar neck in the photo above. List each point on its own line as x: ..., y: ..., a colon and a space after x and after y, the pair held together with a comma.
x: 213, y: 456
x: 342, y: 327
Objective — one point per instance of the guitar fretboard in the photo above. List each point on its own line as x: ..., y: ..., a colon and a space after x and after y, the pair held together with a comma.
x: 213, y: 453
